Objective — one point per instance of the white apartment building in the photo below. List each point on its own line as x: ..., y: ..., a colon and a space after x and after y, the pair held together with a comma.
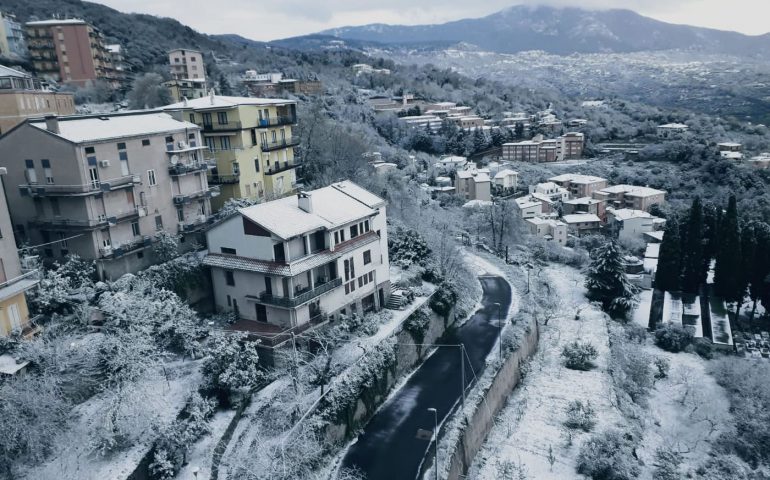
x: 293, y: 262
x: 507, y: 179
x: 528, y: 207
x: 579, y: 185
x: 539, y: 150
x: 630, y: 225
x: 473, y: 185
x: 186, y: 64
x: 631, y: 196
x: 549, y: 229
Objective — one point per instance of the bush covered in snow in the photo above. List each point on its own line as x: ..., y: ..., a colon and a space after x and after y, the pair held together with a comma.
x: 232, y: 363
x: 443, y: 299
x: 417, y: 325
x: 672, y: 337
x: 407, y: 247
x: 579, y: 355
x: 166, y: 246
x: 632, y: 367
x: 580, y: 416
x: 609, y: 456
x: 667, y: 464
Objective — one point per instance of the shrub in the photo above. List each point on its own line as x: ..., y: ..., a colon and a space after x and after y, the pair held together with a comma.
x: 579, y: 355
x: 443, y: 299
x: 667, y: 465
x: 662, y: 366
x: 636, y: 333
x: 417, y: 325
x: 672, y: 337
x: 609, y: 456
x: 580, y: 416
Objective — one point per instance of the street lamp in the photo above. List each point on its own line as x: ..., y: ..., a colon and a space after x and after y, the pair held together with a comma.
x: 435, y: 436
x: 500, y: 327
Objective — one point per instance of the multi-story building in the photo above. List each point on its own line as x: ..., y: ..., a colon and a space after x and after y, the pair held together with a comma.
x: 761, y: 161
x: 186, y: 64
x: 548, y: 229
x: 473, y: 185
x: 507, y: 179
x: 730, y: 150
x: 425, y: 122
x: 14, y: 315
x: 12, y: 43
x: 118, y: 58
x: 579, y: 185
x: 539, y: 150
x: 631, y: 225
x: 22, y: 97
x: 291, y: 263
x: 270, y: 84
x: 104, y: 186
x: 70, y: 51
x: 189, y: 89
x: 580, y: 224
x: 672, y: 130
x: 252, y: 142
x: 585, y: 205
x: 528, y: 207
x: 631, y: 196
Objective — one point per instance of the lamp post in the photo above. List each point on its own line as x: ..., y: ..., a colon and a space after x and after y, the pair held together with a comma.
x: 435, y: 436
x: 500, y: 327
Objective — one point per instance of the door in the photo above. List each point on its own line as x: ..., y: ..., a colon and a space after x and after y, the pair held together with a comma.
x: 261, y: 313
x: 268, y: 285
x: 93, y: 177
x: 14, y: 317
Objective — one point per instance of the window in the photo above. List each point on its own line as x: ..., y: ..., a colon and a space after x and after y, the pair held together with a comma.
x: 371, y: 276
x: 140, y: 254
x: 123, y: 158
x: 180, y: 214
x: 90, y: 150
x: 360, y: 282
x: 222, y: 118
x: 211, y: 143
x: 347, y: 270
x: 367, y: 257
x: 342, y: 235
x: 366, y: 225
x: 47, y: 171
x: 146, y: 142
x: 354, y: 231
x: 93, y: 177
x: 135, y: 229
x: 192, y: 118
x: 158, y: 223
x: 352, y: 269
x: 229, y: 278
x: 224, y: 143
x: 207, y: 120
x: 253, y: 136
x: 256, y: 164
x: 31, y: 174
x: 336, y: 238
x: 151, y: 180
x: 228, y: 251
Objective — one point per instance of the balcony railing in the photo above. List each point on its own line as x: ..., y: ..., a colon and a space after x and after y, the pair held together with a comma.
x: 185, y: 168
x: 88, y: 223
x: 224, y: 179
x: 304, y: 297
x: 91, y: 188
x: 281, y: 167
x: 277, y: 121
x: 279, y: 144
x: 213, y: 127
x: 187, y: 197
x: 200, y: 222
x: 120, y: 250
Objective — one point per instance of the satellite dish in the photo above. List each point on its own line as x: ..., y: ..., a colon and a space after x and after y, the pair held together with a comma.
x: 174, y: 159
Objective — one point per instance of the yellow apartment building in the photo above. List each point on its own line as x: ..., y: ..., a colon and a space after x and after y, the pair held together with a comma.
x: 252, y: 141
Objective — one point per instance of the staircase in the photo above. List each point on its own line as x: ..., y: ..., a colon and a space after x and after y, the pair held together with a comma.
x: 396, y: 300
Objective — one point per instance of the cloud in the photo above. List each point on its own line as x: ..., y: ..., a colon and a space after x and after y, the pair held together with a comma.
x: 271, y: 19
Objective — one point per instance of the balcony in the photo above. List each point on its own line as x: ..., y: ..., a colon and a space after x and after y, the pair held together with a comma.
x: 277, y: 121
x: 88, y: 223
x: 19, y: 284
x: 224, y: 179
x: 185, y: 168
x: 297, y: 300
x: 279, y: 144
x: 221, y: 127
x: 93, y: 188
x: 120, y: 250
x: 188, y: 197
x: 200, y: 222
x: 282, y: 167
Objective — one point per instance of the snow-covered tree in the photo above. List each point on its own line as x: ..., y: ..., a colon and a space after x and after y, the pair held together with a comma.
x: 232, y: 362
x: 607, y: 283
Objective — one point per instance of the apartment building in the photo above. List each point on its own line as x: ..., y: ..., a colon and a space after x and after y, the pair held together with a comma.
x: 631, y: 225
x: 22, y: 97
x: 528, y: 207
x: 473, y: 185
x: 12, y: 43
x: 539, y: 150
x: 425, y: 122
x: 104, y: 186
x: 580, y: 224
x: 548, y: 229
x: 189, y: 89
x: 186, y: 64
x: 549, y: 195
x: 507, y: 179
x: 291, y: 263
x: 585, y: 205
x: 271, y: 84
x: 579, y: 185
x: 118, y: 58
x: 70, y: 51
x: 251, y: 140
x: 14, y: 314
x: 631, y: 196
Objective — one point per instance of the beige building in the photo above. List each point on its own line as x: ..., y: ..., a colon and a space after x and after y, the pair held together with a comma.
x: 579, y: 185
x: 104, y: 186
x: 631, y: 196
x: 14, y: 315
x: 473, y: 185
x: 189, y: 89
x: 507, y: 179
x: 585, y: 205
x: 251, y: 140
x: 549, y: 229
x: 22, y: 97
x: 539, y: 150
x: 186, y: 64
x: 12, y: 43
x: 70, y: 51
x: 582, y: 223
x: 291, y: 263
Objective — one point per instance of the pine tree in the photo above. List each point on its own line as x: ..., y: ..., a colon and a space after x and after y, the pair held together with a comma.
x: 667, y: 276
x: 710, y: 237
x: 728, y: 281
x: 692, y: 258
x: 607, y: 283
x: 759, y: 282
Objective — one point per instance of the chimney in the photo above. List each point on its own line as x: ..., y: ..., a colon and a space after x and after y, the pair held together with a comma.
x: 184, y: 101
x: 211, y: 96
x: 305, y: 202
x: 52, y: 123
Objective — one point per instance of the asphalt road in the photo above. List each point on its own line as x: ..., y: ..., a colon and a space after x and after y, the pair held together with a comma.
x: 388, y: 448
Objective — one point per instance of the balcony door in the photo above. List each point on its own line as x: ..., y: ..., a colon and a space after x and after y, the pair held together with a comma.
x: 268, y: 285
x: 261, y: 313
x: 14, y: 316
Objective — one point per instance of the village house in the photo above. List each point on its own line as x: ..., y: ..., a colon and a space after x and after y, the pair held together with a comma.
x: 297, y: 261
x: 548, y: 229
x: 672, y: 130
x: 473, y: 185
x: 506, y: 179
x: 580, y: 224
x: 631, y: 196
x: 528, y: 207
x: 730, y: 150
x: 761, y: 161
x: 449, y: 163
x: 584, y: 205
x: 631, y: 225
x: 579, y: 185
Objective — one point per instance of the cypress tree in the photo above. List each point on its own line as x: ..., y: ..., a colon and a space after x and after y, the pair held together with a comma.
x: 667, y: 276
x: 606, y: 281
x: 692, y: 258
x: 710, y: 237
x: 728, y: 281
x: 759, y: 283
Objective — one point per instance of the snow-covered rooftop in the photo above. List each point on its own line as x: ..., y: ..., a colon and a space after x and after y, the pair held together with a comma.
x: 506, y: 172
x: 632, y: 190
x: 526, y: 202
x: 674, y: 126
x: 577, y: 178
x: 623, y: 214
x: 221, y: 101
x: 64, y: 21
x: 332, y: 206
x: 8, y: 365
x: 581, y: 218
x: 92, y: 128
x: 583, y: 201
x: 10, y: 72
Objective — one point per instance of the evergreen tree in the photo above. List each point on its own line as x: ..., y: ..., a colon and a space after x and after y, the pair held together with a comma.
x: 607, y: 283
x: 518, y: 130
x: 710, y: 236
x: 692, y: 258
x: 667, y: 276
x: 224, y: 86
x: 759, y: 282
x: 728, y: 279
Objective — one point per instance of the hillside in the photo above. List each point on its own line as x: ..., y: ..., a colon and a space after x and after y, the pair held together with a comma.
x: 563, y: 31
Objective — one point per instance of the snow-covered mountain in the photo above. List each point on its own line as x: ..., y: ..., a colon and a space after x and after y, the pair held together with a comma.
x: 562, y: 31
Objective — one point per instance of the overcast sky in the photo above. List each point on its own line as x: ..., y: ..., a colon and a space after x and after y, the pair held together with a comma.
x: 273, y: 19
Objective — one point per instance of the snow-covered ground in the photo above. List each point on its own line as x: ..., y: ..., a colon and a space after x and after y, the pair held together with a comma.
x: 531, y: 423
x: 202, y: 452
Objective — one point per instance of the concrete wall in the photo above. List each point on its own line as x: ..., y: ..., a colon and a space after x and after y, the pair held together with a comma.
x: 482, y: 421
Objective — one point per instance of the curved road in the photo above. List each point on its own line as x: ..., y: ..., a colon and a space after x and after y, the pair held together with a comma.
x: 388, y: 448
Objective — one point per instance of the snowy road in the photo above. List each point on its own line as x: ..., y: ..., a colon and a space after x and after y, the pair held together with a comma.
x: 388, y: 448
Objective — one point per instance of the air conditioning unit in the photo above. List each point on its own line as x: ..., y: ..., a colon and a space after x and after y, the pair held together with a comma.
x: 104, y: 163
x: 201, y: 218
x: 181, y: 145
x: 107, y: 250
x: 174, y: 159
x: 142, y: 211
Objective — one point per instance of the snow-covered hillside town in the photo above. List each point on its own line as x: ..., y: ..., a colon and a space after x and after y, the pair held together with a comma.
x: 460, y: 243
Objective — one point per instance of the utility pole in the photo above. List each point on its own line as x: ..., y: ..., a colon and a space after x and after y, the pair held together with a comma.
x: 500, y: 328
x: 435, y: 437
x: 462, y: 371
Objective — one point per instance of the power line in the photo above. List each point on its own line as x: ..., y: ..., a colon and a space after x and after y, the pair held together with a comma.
x: 49, y: 243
